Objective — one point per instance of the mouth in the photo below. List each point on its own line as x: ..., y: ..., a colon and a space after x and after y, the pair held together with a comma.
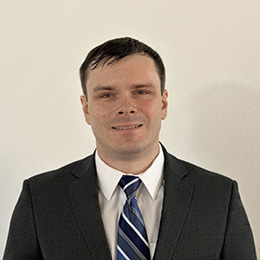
x: 127, y: 127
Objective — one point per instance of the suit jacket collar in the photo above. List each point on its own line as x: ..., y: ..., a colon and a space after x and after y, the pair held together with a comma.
x: 84, y: 197
x: 177, y: 198
x: 176, y: 202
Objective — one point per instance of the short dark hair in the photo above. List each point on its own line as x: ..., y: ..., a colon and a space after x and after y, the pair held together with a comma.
x: 114, y: 50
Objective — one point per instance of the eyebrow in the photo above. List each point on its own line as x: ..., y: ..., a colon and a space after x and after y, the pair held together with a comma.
x: 144, y: 86
x: 101, y: 88
x: 137, y: 86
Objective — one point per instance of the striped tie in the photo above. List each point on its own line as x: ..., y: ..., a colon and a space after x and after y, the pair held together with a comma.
x: 132, y: 242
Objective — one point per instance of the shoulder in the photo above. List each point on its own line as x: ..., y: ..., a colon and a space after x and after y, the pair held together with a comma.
x: 63, y: 175
x: 196, y: 176
x: 48, y: 188
x: 209, y: 189
x: 199, y: 173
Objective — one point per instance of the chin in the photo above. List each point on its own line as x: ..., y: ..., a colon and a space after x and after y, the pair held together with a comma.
x: 130, y: 148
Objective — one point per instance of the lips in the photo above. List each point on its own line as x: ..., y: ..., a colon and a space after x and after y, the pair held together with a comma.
x: 126, y: 127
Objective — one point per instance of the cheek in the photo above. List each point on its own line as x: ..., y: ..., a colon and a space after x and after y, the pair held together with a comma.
x: 152, y: 108
x: 100, y: 117
x: 103, y: 114
x: 155, y: 113
x: 147, y: 105
x: 98, y: 112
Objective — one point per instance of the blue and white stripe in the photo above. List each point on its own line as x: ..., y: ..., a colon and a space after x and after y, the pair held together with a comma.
x: 132, y: 241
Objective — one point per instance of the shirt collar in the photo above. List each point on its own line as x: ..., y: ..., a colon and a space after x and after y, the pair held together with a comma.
x: 108, y: 177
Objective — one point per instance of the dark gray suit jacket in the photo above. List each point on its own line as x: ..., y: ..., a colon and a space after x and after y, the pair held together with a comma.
x: 58, y: 216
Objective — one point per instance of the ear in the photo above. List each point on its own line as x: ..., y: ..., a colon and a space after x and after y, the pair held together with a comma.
x: 84, y: 104
x: 164, y: 104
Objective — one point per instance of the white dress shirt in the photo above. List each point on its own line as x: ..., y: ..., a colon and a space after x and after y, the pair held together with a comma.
x: 149, y: 198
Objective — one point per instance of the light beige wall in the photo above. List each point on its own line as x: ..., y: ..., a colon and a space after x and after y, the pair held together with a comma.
x: 211, y: 51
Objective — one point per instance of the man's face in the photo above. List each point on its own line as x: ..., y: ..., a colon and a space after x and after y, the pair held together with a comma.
x: 125, y: 106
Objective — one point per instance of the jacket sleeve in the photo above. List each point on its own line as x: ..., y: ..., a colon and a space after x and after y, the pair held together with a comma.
x: 239, y: 242
x: 22, y: 242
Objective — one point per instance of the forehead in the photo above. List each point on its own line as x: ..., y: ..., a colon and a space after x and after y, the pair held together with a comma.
x: 136, y: 69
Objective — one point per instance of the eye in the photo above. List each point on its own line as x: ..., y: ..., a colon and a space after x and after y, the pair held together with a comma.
x: 142, y: 92
x: 105, y: 95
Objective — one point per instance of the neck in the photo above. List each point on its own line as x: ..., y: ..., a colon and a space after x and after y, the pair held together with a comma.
x: 134, y: 163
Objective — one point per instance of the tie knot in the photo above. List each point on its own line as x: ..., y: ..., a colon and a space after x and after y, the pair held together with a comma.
x: 129, y: 184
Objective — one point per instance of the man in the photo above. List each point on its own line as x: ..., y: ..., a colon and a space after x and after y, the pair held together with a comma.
x: 174, y: 210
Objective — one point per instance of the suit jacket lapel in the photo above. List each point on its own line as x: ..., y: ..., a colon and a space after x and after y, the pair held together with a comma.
x: 177, y: 198
x: 84, y: 197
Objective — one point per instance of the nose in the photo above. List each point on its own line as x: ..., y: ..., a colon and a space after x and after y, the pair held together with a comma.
x: 127, y: 107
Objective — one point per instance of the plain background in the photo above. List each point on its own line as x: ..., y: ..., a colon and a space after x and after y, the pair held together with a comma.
x: 211, y: 51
